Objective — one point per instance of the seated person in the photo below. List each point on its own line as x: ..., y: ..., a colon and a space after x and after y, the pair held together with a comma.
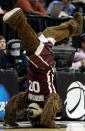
x: 83, y: 1
x: 65, y: 6
x: 60, y: 62
x: 31, y: 6
x: 64, y: 42
x: 79, y: 57
x: 2, y: 11
x: 2, y: 43
x: 51, y: 5
x: 16, y: 60
x: 43, y: 3
x: 68, y: 7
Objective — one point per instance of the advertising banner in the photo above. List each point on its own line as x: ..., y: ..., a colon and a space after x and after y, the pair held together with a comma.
x: 8, y: 88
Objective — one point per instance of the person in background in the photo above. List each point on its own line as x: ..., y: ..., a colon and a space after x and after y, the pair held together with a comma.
x: 65, y: 42
x: 69, y: 8
x: 2, y: 11
x: 79, y: 58
x: 31, y: 6
x: 83, y: 1
x: 51, y: 5
x: 69, y: 41
x: 43, y: 3
x: 2, y: 43
x: 82, y: 44
x: 14, y: 59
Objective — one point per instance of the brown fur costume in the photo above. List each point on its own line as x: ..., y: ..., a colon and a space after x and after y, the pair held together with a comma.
x: 15, y: 106
x: 52, y: 106
x: 16, y: 19
x: 20, y: 102
x: 70, y: 28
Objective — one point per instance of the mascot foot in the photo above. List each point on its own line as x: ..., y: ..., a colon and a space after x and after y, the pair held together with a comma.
x: 11, y: 14
x: 76, y: 24
x: 67, y: 29
x: 15, y: 18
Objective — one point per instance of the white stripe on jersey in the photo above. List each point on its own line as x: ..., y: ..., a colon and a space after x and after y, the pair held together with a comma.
x: 43, y: 60
x: 39, y: 49
x: 40, y: 59
x: 52, y: 40
x: 43, y: 39
x: 52, y: 82
x: 32, y: 62
x: 49, y: 82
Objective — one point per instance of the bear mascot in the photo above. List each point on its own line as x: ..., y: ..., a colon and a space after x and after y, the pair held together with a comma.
x: 41, y: 100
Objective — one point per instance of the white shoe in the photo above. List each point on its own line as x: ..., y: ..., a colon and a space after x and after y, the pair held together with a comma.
x: 11, y: 13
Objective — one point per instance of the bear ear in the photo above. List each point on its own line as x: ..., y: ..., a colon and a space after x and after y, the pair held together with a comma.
x: 34, y: 110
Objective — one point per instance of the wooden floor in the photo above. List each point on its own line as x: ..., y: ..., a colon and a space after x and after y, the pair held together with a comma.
x: 64, y: 126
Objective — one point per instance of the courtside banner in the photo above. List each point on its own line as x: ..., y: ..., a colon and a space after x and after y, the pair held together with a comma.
x: 71, y: 88
x: 8, y: 88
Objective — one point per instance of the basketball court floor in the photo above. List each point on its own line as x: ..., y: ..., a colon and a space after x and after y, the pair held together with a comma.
x: 63, y: 126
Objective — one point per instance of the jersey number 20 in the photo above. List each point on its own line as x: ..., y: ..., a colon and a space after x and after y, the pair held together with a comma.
x: 34, y: 86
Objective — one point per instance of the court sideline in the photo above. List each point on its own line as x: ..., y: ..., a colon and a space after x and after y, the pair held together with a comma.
x: 64, y: 126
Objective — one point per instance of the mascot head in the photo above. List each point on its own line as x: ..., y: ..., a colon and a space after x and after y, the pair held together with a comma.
x: 34, y: 110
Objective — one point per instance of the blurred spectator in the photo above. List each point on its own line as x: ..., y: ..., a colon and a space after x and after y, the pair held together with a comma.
x: 2, y: 43
x: 83, y: 1
x: 15, y: 60
x: 31, y: 6
x: 68, y: 7
x: 69, y: 43
x: 64, y: 5
x: 80, y: 5
x: 82, y: 43
x: 64, y: 42
x: 79, y: 58
x: 51, y: 5
x: 2, y: 11
x: 61, y: 62
x: 43, y: 3
x: 48, y: 2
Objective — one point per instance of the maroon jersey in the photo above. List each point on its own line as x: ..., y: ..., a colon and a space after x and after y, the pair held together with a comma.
x: 40, y: 78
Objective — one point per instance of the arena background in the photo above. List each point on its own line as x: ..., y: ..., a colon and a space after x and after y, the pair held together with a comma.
x: 38, y: 23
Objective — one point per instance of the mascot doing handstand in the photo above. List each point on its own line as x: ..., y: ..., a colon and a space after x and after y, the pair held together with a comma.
x: 41, y: 91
